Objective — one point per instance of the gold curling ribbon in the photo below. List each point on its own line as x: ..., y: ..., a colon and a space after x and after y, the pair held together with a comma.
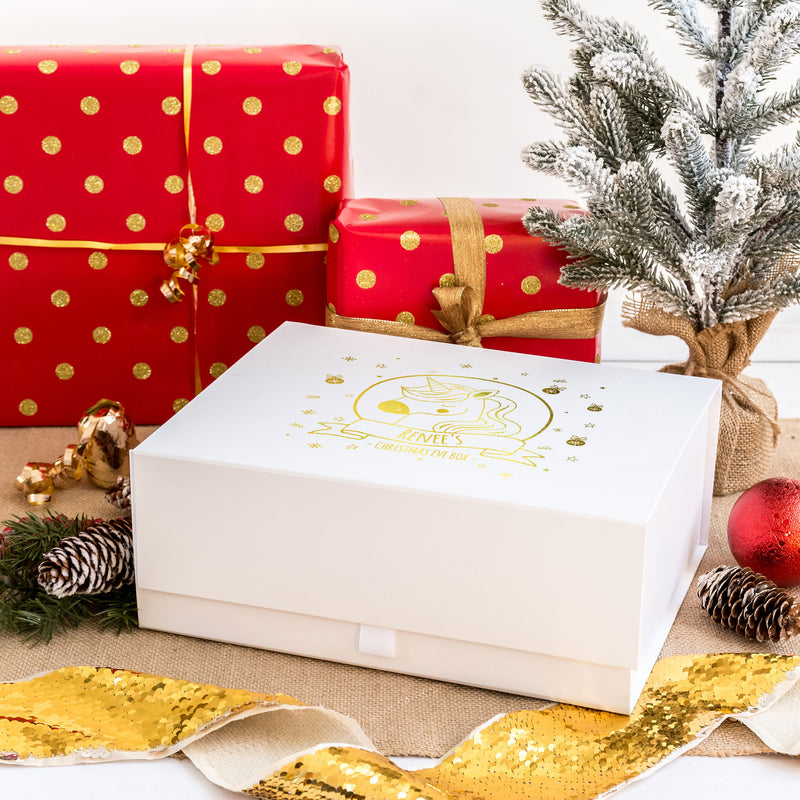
x: 195, y: 243
x: 83, y: 714
x: 461, y: 306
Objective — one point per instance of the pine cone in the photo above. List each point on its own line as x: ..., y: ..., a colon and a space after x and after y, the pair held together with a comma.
x: 119, y: 494
x: 97, y: 560
x: 748, y: 603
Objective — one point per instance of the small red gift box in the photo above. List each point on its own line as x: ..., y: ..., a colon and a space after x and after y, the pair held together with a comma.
x: 458, y: 270
x: 107, y: 154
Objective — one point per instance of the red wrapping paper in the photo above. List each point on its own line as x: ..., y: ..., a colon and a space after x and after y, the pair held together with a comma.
x: 94, y: 152
x: 371, y: 274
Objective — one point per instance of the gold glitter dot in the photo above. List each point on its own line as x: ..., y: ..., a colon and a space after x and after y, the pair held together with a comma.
x: 293, y: 223
x: 217, y: 368
x: 332, y: 307
x: 330, y: 50
x: 18, y: 261
x: 493, y: 243
x: 409, y: 240
x: 212, y: 145
x: 292, y: 145
x: 365, y: 279
x: 368, y: 217
x: 98, y: 260
x: 255, y: 333
x: 251, y: 106
x: 28, y: 407
x: 178, y: 404
x: 90, y: 105
x: 292, y: 67
x: 101, y: 335
x: 56, y: 223
x: 332, y: 183
x: 216, y: 297
x: 8, y: 104
x: 64, y: 371
x: 531, y: 284
x: 132, y: 145
x: 13, y: 184
x: 173, y: 49
x: 142, y: 371
x: 171, y: 105
x: 252, y: 50
x: 333, y: 233
x: 294, y: 297
x: 255, y: 260
x: 254, y: 184
x: 23, y: 335
x: 332, y: 105
x: 48, y: 66
x: 13, y: 50
x: 60, y: 298
x: 129, y: 66
x: 485, y: 318
x: 448, y: 279
x: 406, y: 317
x: 215, y: 222
x: 139, y: 297
x: 490, y: 205
x: 51, y: 145
x: 93, y: 184
x: 135, y: 222
x: 179, y: 334
x: 174, y: 184
x: 211, y: 67
x: 409, y: 202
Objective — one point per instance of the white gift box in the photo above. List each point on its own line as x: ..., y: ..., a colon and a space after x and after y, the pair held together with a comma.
x: 502, y: 520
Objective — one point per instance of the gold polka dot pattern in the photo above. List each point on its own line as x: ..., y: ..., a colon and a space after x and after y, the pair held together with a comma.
x: 490, y: 205
x: 90, y: 105
x: 129, y: 66
x: 93, y: 184
x: 56, y: 223
x: 51, y: 145
x: 178, y: 404
x: 409, y: 202
x: 255, y: 260
x: 255, y: 333
x: 365, y: 279
x: 174, y: 184
x: 216, y: 369
x: 367, y: 217
x: 251, y: 106
x: 139, y: 298
x: 98, y: 260
x: 332, y: 105
x: 179, y: 334
x: 171, y: 105
x: 18, y: 261
x: 64, y: 371
x: 332, y: 184
x: 294, y: 297
x: 409, y: 240
x: 253, y: 184
x: 292, y: 67
x: 101, y: 335
x: 23, y: 335
x: 406, y: 317
x: 292, y: 145
x: 448, y: 279
x: 293, y: 223
x: 132, y: 145
x: 215, y: 222
x: 252, y: 50
x: 531, y: 284
x: 216, y: 297
x: 485, y: 318
x: 212, y: 145
x: 48, y: 66
x: 330, y: 50
x: 136, y: 222
x: 13, y: 184
x: 493, y: 243
x: 333, y: 233
x: 28, y: 407
x: 142, y: 371
x: 8, y: 104
x: 59, y: 298
x: 211, y: 67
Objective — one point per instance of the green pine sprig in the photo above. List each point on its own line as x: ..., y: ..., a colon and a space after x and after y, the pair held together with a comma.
x: 26, y: 609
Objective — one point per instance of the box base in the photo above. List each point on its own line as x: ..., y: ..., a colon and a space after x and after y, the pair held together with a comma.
x: 500, y: 669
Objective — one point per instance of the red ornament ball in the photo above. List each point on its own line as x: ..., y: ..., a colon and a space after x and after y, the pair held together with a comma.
x: 764, y: 530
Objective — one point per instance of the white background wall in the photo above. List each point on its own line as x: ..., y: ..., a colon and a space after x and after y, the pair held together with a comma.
x: 437, y: 104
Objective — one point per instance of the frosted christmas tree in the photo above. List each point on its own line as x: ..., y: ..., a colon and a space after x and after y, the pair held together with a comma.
x: 714, y: 266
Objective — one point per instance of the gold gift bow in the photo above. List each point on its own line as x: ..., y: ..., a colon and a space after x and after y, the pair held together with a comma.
x: 461, y: 306
x: 79, y: 714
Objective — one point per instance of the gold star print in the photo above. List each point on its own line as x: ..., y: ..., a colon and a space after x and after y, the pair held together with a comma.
x: 349, y: 358
x: 314, y: 445
x: 555, y: 430
x: 506, y: 474
x: 338, y: 419
x: 351, y: 447
x: 572, y: 458
x: 465, y: 366
x: 481, y: 465
x: 589, y: 425
x: 380, y: 366
x: 524, y: 374
x: 349, y: 394
x: 296, y: 425
x: 585, y: 397
x: 431, y: 372
x: 308, y: 411
x: 546, y: 469
x: 560, y: 380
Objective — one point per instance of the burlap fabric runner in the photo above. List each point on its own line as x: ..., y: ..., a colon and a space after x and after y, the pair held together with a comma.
x: 402, y: 715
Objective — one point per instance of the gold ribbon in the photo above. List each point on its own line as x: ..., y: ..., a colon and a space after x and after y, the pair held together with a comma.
x: 460, y: 310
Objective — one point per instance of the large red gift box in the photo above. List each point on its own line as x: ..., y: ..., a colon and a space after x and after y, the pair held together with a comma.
x: 107, y: 152
x: 458, y: 270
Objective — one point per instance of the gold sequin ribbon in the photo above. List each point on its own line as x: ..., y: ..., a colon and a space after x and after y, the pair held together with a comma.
x: 460, y: 310
x: 79, y: 714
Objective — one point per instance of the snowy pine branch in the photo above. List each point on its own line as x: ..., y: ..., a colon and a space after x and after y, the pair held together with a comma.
x: 685, y: 21
x: 754, y: 302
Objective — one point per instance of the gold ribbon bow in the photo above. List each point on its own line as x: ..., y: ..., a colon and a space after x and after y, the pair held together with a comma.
x: 195, y: 243
x: 460, y: 310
